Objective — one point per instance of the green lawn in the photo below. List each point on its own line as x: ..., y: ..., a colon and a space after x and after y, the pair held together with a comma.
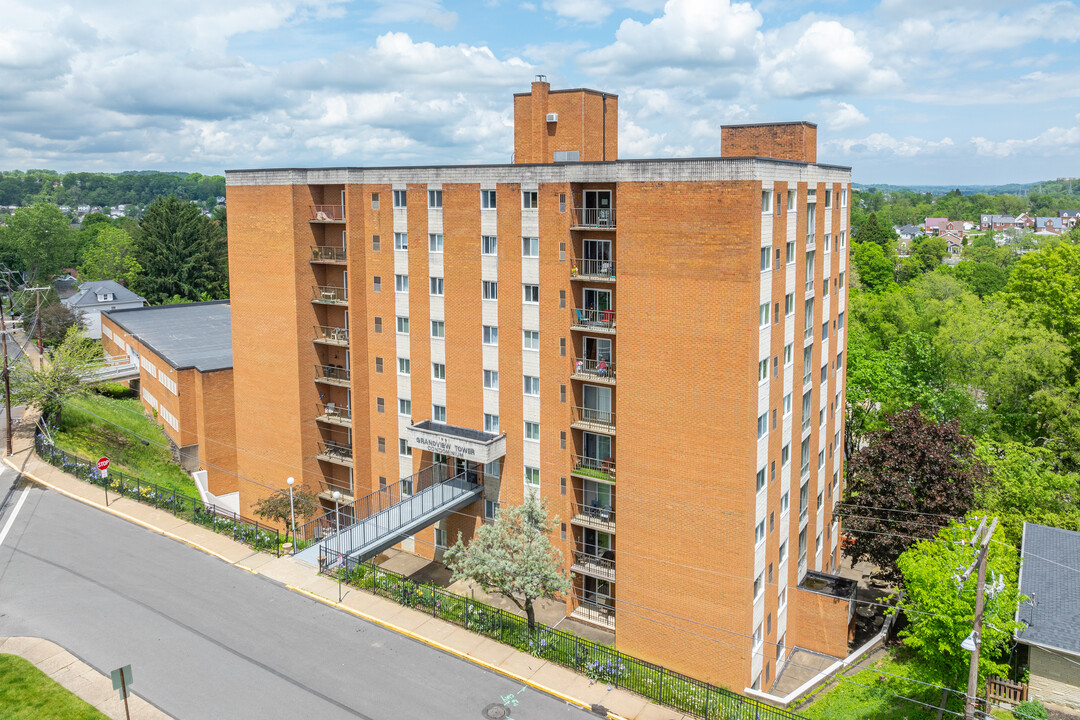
x: 27, y: 693
x: 95, y: 425
x: 875, y: 695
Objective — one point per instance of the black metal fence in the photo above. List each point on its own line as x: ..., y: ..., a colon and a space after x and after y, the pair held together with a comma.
x: 250, y: 532
x: 599, y: 663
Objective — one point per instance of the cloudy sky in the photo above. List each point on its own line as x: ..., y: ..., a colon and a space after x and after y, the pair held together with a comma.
x: 904, y: 91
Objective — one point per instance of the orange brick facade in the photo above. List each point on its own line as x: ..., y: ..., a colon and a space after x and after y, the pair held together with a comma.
x: 784, y: 141
x: 670, y: 276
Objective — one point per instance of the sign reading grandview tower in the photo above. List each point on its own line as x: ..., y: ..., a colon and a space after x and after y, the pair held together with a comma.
x: 474, y: 445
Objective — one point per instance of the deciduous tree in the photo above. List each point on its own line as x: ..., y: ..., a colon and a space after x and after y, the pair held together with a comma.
x: 110, y: 256
x: 61, y: 375
x: 904, y: 484
x: 276, y: 506
x: 513, y: 556
x: 41, y: 239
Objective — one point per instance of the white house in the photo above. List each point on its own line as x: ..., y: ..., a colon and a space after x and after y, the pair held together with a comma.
x: 95, y: 296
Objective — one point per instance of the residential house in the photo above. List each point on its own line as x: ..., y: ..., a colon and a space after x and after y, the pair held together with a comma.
x: 907, y: 234
x: 1051, y: 225
x: 1050, y: 579
x: 66, y: 285
x: 1069, y: 217
x: 935, y: 226
x: 1023, y: 221
x: 97, y: 296
x: 997, y: 222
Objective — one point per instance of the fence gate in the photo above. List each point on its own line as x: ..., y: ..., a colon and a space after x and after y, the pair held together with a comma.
x: 1006, y: 691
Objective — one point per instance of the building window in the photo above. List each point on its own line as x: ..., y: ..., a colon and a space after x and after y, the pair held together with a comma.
x: 789, y: 304
x: 760, y: 480
x: 817, y: 544
x: 532, y: 430
x: 787, y: 404
x: 842, y: 240
x: 843, y: 198
x: 785, y: 455
x: 785, y: 503
x: 376, y: 243
x: 531, y: 339
x: 532, y: 477
x: 437, y: 286
x: 491, y: 423
x: 491, y: 379
x: 378, y: 324
x: 438, y: 329
x: 380, y: 405
x: 762, y: 425
x: 403, y: 366
x: 562, y: 202
x: 766, y: 258
x: 790, y: 252
x: 491, y: 290
x: 759, y: 581
x: 491, y: 509
x: 530, y: 247
x: 789, y: 354
x: 489, y: 245
x: 529, y: 199
x: 763, y: 315
x: 438, y: 371
x: 374, y: 201
x: 821, y: 458
x: 532, y: 385
x: 401, y: 283
x: 403, y: 448
x: 403, y: 324
x: 382, y: 444
x: 487, y: 199
x: 404, y: 407
x: 757, y: 637
x: 491, y: 335
x: 438, y: 413
x: 530, y: 293
x: 766, y: 201
x: 440, y: 537
x: 434, y: 199
x: 378, y: 365
x: 820, y: 500
x: 790, y: 199
x: 828, y: 198
x: 399, y: 198
x: 828, y: 246
x: 435, y: 242
x: 401, y: 241
x: 763, y: 370
x: 376, y: 283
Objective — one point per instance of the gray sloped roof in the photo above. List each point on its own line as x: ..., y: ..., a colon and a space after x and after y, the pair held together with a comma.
x: 1050, y: 577
x: 86, y: 297
x: 195, y: 335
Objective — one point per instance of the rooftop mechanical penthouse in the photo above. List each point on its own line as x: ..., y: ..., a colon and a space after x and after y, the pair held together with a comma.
x: 656, y: 347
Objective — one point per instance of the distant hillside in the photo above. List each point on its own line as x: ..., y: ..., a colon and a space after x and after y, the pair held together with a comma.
x: 1064, y: 186
x: 22, y: 188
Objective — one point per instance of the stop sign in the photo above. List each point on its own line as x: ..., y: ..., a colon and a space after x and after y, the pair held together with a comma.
x: 103, y: 464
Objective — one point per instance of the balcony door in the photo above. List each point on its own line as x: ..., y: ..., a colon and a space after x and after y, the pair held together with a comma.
x: 597, y: 208
x: 597, y: 447
x: 597, y: 404
x: 599, y: 300
x: 596, y: 494
x: 596, y: 349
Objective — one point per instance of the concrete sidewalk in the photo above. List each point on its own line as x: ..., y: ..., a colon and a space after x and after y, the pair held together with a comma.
x: 303, y: 578
x: 78, y: 677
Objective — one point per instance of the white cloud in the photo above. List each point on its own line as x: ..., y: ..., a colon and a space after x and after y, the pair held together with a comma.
x: 431, y: 12
x: 841, y: 115
x: 1052, y: 141
x: 886, y: 145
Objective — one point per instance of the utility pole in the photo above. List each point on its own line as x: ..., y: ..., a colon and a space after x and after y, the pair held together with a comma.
x: 7, y: 377
x: 980, y: 587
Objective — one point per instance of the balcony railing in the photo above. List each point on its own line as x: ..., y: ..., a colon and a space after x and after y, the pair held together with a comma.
x: 327, y: 213
x: 589, y: 369
x: 334, y: 413
x: 597, y: 566
x: 329, y: 335
x: 330, y: 295
x: 596, y: 609
x: 592, y: 418
x: 335, y: 452
x: 596, y: 218
x: 326, y: 254
x: 332, y: 375
x: 596, y: 320
x: 591, y: 515
x: 585, y: 269
x: 602, y: 469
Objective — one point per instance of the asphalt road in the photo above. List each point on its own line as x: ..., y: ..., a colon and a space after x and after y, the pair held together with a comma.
x: 207, y: 640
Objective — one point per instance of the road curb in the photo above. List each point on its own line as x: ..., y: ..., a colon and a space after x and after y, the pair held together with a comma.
x: 364, y: 616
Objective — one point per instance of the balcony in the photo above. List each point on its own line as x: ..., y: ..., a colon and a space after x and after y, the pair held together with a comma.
x: 600, y: 371
x: 335, y: 452
x: 597, y: 566
x: 329, y: 295
x: 327, y: 213
x: 329, y: 335
x: 596, y: 609
x: 334, y: 414
x: 591, y: 515
x: 592, y: 218
x: 593, y: 419
x: 602, y: 469
x: 332, y: 375
x: 602, y: 321
x: 325, y: 254
x: 592, y: 270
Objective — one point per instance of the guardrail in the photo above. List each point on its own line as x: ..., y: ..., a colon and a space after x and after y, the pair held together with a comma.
x: 330, y: 294
x: 599, y: 369
x: 332, y: 374
x: 588, y: 269
x: 592, y: 319
x: 603, y: 419
x: 327, y: 253
x: 332, y: 335
x: 252, y: 533
x: 328, y: 213
x: 599, y: 218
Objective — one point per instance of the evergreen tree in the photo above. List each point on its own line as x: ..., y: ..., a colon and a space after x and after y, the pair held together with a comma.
x: 181, y: 253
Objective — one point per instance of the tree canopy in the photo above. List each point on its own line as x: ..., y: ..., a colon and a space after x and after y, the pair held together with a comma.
x: 38, y: 240
x: 60, y: 377
x: 111, y: 256
x: 181, y: 252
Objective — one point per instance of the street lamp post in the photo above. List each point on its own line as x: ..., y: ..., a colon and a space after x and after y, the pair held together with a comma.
x: 292, y: 510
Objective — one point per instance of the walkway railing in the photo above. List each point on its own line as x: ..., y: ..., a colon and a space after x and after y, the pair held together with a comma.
x: 252, y: 533
x: 599, y: 663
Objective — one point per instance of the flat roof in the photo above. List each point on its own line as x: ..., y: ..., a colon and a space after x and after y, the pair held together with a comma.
x: 185, y: 335
x: 571, y: 90
x: 768, y: 124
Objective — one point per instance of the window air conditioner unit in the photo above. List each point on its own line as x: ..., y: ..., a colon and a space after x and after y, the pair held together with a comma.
x: 553, y: 117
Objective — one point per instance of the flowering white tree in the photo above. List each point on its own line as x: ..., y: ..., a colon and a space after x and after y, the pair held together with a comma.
x: 513, y: 556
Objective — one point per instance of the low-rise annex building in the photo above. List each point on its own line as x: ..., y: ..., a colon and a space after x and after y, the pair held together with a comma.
x: 184, y: 356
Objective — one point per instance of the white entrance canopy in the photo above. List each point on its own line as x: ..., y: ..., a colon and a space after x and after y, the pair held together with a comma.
x: 473, y: 445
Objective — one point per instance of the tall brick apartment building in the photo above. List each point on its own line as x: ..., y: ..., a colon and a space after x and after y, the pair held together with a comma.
x: 656, y: 347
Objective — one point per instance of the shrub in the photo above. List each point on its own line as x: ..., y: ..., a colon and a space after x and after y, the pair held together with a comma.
x: 1031, y: 710
x: 114, y: 390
